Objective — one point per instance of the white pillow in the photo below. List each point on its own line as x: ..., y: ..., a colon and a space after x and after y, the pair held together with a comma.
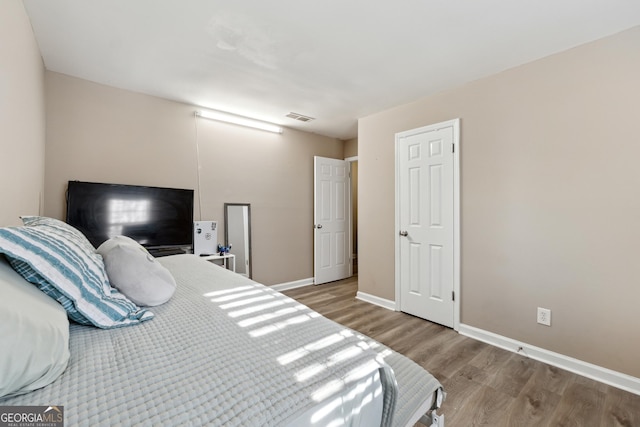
x: 135, y: 272
x: 35, y: 335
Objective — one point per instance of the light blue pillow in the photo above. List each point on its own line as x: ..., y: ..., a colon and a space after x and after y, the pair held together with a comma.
x: 59, y: 263
x: 35, y: 335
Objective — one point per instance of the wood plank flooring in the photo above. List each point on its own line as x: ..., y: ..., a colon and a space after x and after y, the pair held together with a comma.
x: 486, y: 386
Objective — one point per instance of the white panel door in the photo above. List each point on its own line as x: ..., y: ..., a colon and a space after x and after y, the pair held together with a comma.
x: 331, y: 219
x: 426, y: 223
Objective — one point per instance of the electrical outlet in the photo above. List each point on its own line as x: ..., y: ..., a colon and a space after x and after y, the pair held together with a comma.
x: 544, y: 316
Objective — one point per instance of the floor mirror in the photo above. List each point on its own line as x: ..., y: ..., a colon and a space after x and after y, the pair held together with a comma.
x: 237, y: 234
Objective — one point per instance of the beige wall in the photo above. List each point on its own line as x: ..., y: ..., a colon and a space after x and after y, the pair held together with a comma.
x: 99, y: 133
x: 22, y: 116
x: 550, y: 207
x: 351, y: 148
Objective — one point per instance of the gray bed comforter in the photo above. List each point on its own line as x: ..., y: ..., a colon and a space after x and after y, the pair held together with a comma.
x: 226, y: 351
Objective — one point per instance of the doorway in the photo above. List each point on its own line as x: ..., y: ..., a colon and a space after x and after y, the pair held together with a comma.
x: 427, y: 222
x: 353, y: 173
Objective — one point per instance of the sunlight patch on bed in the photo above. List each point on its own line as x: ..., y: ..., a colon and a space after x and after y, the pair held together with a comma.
x: 353, y: 376
x: 283, y: 324
x: 385, y: 353
x: 362, y: 371
x: 247, y: 301
x: 227, y: 291
x: 310, y: 371
x: 373, y: 344
x: 336, y: 359
x: 343, y: 355
x: 299, y: 353
x: 256, y: 308
x: 340, y: 397
x: 358, y: 397
x: 329, y: 389
x: 270, y: 316
x: 336, y: 423
x: 326, y: 410
x: 230, y: 297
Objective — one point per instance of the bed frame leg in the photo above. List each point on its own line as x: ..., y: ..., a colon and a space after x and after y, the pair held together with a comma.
x: 438, y: 420
x: 432, y: 419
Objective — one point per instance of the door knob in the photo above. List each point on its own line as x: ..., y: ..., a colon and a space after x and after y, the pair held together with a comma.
x: 404, y: 233
x: 319, y: 226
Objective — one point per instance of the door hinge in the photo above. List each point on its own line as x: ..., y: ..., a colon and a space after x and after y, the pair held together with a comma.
x: 453, y: 295
x: 453, y: 148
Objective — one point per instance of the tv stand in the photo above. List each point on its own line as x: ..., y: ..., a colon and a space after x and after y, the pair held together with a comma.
x: 160, y: 252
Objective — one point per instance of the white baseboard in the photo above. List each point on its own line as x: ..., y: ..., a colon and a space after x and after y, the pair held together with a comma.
x: 595, y: 372
x: 382, y: 302
x: 292, y: 285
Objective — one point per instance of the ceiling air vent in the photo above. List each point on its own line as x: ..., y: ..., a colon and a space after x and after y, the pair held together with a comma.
x: 299, y: 117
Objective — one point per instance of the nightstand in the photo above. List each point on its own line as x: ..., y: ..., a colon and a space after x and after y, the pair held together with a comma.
x: 225, y: 260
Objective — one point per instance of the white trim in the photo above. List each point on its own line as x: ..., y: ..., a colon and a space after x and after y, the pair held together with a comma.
x: 372, y: 299
x: 350, y: 222
x: 292, y: 285
x: 351, y: 159
x: 397, y: 223
x: 595, y: 372
x: 455, y: 124
x: 456, y: 223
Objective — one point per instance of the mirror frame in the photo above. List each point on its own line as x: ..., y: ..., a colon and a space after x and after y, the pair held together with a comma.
x: 226, y: 232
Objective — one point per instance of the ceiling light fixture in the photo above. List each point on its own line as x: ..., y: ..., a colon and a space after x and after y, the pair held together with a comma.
x: 239, y: 120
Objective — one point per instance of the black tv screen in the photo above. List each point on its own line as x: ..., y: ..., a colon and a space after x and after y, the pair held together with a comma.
x: 155, y: 217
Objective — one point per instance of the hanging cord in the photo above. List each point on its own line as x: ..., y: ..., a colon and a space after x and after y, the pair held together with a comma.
x: 195, y: 122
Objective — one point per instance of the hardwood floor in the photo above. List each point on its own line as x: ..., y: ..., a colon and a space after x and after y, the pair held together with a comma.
x: 485, y: 385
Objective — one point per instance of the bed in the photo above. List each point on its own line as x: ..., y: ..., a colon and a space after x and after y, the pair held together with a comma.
x: 226, y: 351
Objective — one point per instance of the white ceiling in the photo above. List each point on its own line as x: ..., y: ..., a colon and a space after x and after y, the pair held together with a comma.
x: 334, y: 60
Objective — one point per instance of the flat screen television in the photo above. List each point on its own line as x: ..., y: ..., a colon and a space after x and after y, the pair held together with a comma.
x: 157, y: 218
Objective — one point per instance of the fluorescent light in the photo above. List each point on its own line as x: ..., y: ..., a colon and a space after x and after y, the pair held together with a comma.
x: 239, y: 120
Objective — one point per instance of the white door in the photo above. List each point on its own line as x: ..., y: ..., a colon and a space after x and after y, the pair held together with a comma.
x: 331, y: 219
x: 425, y: 221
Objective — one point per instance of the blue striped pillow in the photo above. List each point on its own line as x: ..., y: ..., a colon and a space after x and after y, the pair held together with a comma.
x: 59, y: 226
x: 59, y: 263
